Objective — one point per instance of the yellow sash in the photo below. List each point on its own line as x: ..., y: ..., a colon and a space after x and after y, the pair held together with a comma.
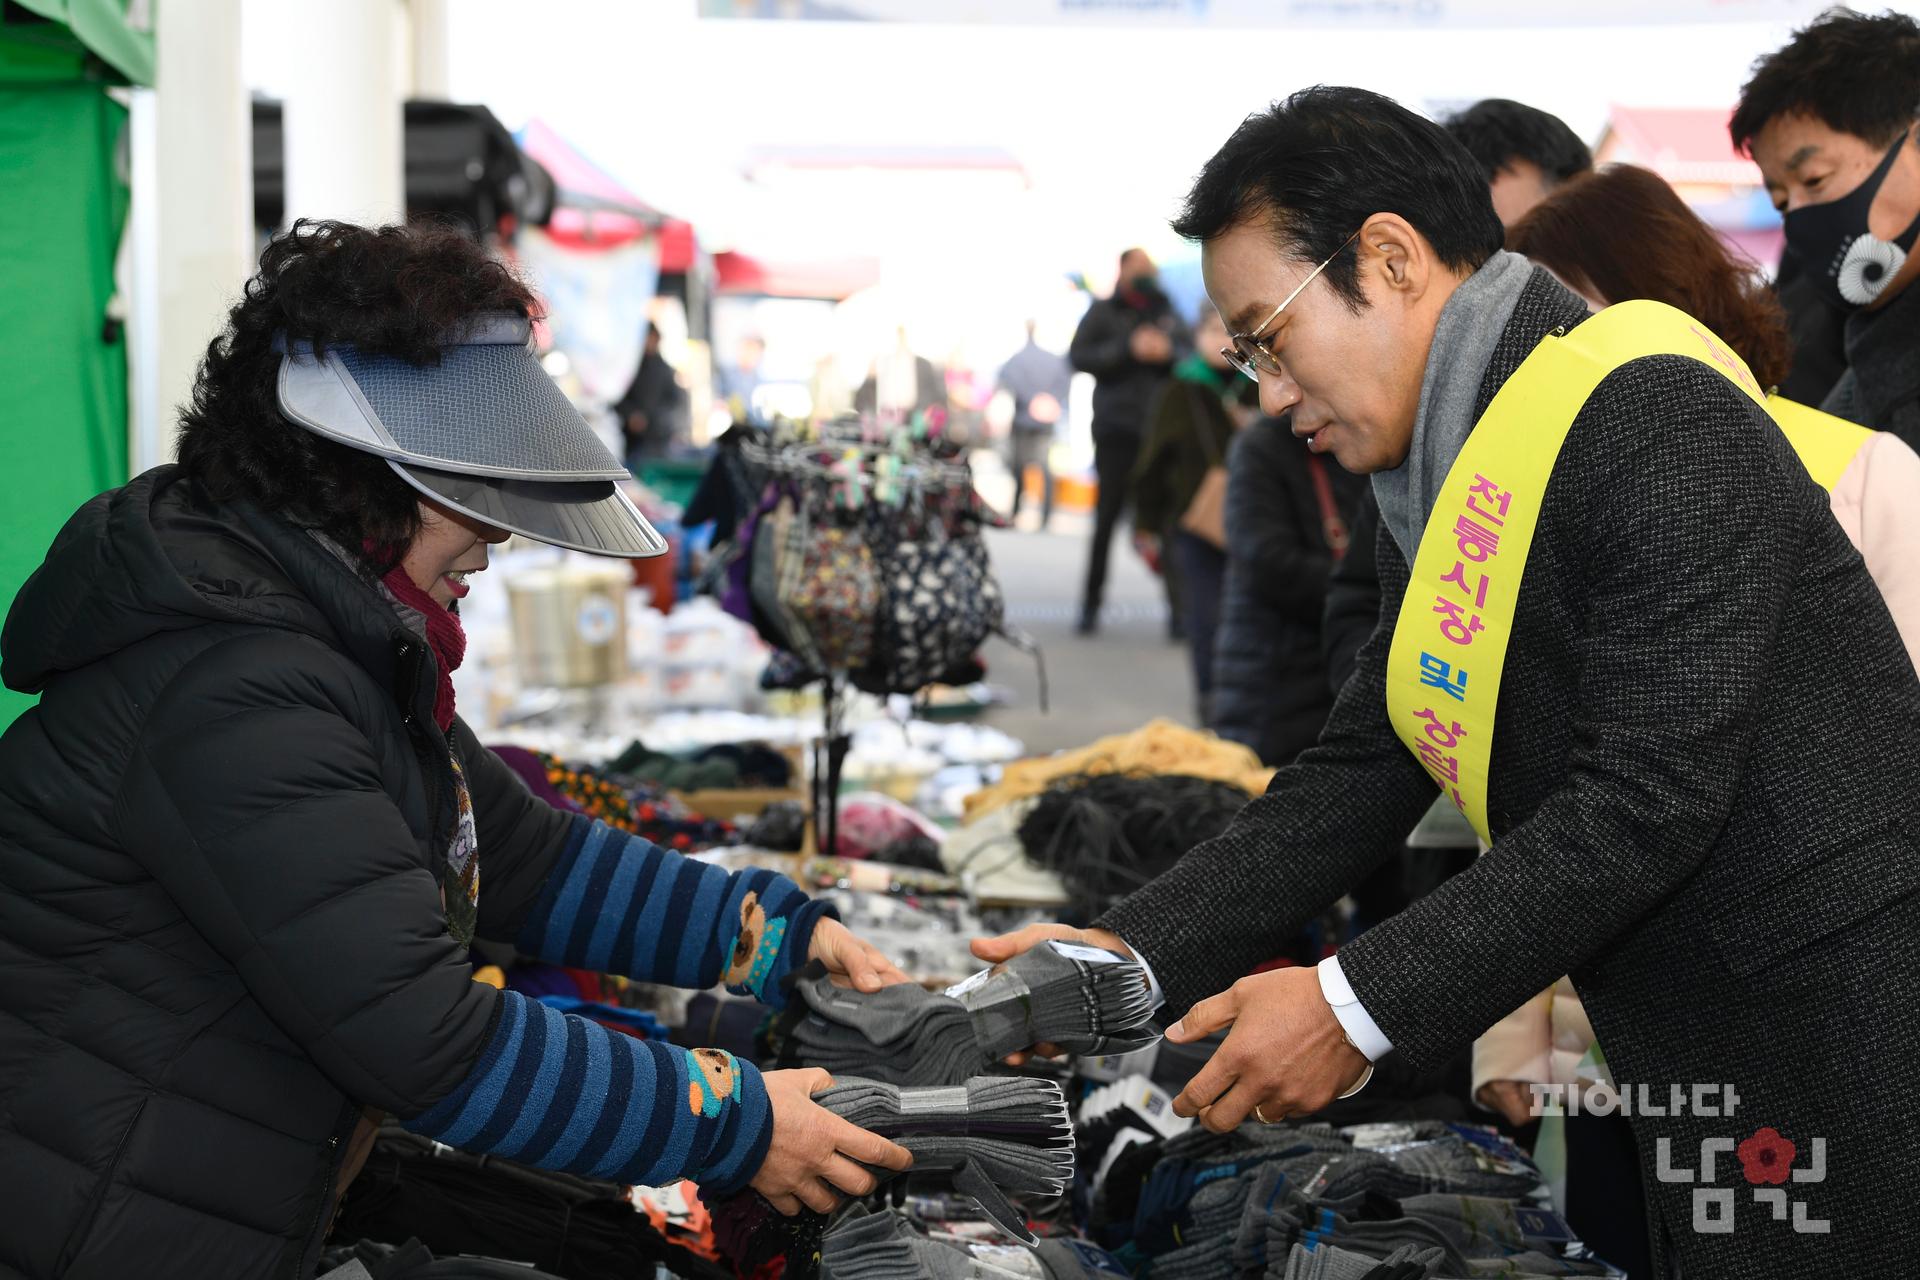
x: 1450, y: 644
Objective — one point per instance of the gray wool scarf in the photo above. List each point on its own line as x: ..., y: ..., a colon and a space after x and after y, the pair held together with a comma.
x: 1470, y: 327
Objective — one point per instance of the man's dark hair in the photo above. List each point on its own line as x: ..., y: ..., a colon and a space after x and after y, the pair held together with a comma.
x: 393, y: 291
x: 1498, y: 131
x: 1318, y: 164
x: 1853, y: 73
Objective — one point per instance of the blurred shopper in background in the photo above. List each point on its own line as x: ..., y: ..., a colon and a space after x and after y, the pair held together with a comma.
x: 1180, y: 486
x: 737, y: 383
x: 653, y: 412
x: 1830, y: 121
x: 1525, y: 154
x: 1037, y: 379
x: 1287, y: 526
x: 1129, y: 343
x: 901, y: 383
x: 1524, y: 151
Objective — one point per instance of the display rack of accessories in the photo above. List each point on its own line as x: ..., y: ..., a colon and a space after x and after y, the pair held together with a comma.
x: 863, y: 565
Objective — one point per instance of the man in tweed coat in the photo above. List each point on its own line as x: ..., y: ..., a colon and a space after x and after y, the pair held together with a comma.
x: 1705, y: 777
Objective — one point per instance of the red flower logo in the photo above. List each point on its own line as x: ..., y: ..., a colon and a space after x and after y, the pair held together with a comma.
x: 1767, y: 1156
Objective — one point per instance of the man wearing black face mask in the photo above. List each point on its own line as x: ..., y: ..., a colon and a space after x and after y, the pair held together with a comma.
x: 1830, y: 121
x: 1128, y: 343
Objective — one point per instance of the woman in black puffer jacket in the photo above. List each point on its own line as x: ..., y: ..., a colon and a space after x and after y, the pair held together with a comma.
x: 241, y: 833
x: 1286, y: 526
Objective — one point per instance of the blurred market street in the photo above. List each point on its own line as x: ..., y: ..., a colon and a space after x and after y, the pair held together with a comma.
x: 1105, y: 684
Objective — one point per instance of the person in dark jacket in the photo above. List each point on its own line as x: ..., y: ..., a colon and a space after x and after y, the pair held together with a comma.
x: 1703, y: 791
x: 1830, y: 120
x: 241, y: 834
x: 1129, y: 343
x: 1286, y: 530
x: 1190, y: 429
x: 653, y: 412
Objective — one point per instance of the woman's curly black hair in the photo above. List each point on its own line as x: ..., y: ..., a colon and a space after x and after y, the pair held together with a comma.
x: 394, y: 291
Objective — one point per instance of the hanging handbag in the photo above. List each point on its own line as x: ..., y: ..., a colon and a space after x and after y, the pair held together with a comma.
x: 1206, y: 514
x: 829, y: 587
x: 1332, y: 526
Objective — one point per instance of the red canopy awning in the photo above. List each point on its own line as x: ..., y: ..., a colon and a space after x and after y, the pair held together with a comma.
x: 833, y: 278
x: 593, y: 211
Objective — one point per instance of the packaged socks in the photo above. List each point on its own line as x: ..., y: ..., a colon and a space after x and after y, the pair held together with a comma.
x: 993, y: 1136
x: 1082, y: 999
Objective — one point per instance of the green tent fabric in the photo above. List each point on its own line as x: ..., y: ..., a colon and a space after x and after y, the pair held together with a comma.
x: 102, y: 28
x: 63, y: 202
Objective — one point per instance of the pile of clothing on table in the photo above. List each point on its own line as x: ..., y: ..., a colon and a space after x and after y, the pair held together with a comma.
x: 1083, y: 828
x: 727, y: 766
x: 886, y: 1246
x: 1159, y: 747
x: 645, y: 810
x: 1286, y: 1201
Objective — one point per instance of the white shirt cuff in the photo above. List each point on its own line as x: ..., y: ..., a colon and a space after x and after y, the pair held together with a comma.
x: 1153, y: 983
x: 1354, y: 1018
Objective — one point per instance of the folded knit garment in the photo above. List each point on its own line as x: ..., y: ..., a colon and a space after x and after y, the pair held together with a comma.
x: 884, y: 1246
x: 1329, y: 1262
x: 992, y: 1137
x: 1082, y: 999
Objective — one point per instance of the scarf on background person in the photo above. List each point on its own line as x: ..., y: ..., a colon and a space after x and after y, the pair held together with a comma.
x: 1194, y: 368
x: 1470, y: 326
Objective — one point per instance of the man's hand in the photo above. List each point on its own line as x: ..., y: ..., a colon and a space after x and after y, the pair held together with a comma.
x: 814, y: 1151
x: 1286, y: 1053
x: 1150, y: 346
x: 1008, y: 945
x: 1513, y: 1099
x: 861, y: 964
x: 1044, y: 409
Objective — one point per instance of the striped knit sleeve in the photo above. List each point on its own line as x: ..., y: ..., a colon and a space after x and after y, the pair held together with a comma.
x: 618, y: 904
x: 559, y: 1092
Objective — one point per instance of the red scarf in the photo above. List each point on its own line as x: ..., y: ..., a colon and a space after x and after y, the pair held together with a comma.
x: 445, y: 637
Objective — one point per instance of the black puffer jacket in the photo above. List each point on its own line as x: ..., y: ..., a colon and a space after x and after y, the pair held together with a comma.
x: 219, y: 912
x: 1269, y: 684
x: 1123, y: 387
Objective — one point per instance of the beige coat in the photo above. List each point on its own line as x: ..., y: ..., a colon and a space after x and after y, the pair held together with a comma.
x: 1877, y: 502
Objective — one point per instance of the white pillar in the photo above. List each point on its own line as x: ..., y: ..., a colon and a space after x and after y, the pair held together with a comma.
x: 429, y: 23
x: 193, y: 212
x: 343, y: 115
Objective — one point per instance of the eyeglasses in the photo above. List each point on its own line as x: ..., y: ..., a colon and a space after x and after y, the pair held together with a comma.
x: 1245, y: 351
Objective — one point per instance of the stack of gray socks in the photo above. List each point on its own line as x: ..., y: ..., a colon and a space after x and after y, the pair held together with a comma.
x: 1082, y: 999
x: 994, y: 1136
x: 1328, y: 1262
x: 885, y: 1246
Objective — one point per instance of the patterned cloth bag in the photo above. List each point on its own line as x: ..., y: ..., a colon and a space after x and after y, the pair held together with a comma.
x: 832, y: 591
